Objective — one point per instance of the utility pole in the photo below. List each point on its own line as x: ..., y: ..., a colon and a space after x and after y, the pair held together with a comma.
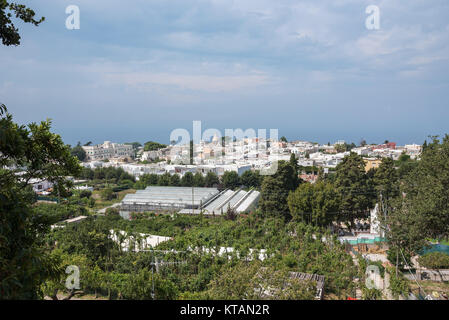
x: 156, y: 264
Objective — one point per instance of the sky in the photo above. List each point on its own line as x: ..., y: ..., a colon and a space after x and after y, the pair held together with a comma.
x: 138, y: 69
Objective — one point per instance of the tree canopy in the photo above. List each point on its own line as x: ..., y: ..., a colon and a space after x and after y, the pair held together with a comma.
x: 151, y: 146
x: 9, y: 33
x: 356, y: 189
x: 38, y: 154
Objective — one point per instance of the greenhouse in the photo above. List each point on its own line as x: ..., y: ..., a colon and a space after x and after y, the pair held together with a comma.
x: 167, y: 199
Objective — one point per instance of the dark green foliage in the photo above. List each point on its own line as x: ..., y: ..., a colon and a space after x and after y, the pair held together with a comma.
x: 398, y: 284
x: 317, y: 203
x: 355, y: 188
x: 53, y: 213
x: 211, y: 180
x: 230, y: 179
x: 386, y: 180
x: 203, y: 274
x: 251, y: 179
x: 108, y: 194
x: 405, y: 165
x: 164, y: 179
x: 24, y: 265
x: 434, y: 260
x: 108, y: 174
x: 8, y: 31
x: 198, y: 180
x: 85, y: 194
x: 175, y: 180
x: 187, y: 179
x: 424, y: 212
x: 78, y: 152
x: 149, y: 179
x: 275, y: 190
x: 152, y: 146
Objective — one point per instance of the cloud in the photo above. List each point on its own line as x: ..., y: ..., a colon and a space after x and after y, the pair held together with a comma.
x: 287, y: 56
x: 206, y: 83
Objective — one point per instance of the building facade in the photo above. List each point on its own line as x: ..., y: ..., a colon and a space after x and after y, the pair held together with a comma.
x: 108, y: 150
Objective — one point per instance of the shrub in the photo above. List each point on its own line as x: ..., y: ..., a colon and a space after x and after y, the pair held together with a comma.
x: 434, y: 260
x: 398, y: 284
x: 108, y: 194
x: 85, y: 194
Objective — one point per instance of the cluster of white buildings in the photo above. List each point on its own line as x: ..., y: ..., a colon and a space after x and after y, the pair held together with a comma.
x: 108, y: 150
x: 238, y: 156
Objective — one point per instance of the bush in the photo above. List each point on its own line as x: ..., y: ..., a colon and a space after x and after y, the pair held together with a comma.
x: 120, y: 188
x: 91, y: 202
x: 434, y: 260
x: 112, y: 212
x: 398, y: 284
x: 108, y: 194
x: 391, y: 256
x: 85, y: 194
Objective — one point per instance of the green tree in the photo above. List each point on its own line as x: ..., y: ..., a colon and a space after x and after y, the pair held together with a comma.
x: 78, y: 152
x: 434, y: 260
x: 187, y: 179
x: 423, y: 213
x: 150, y: 179
x: 294, y: 164
x: 52, y: 287
x: 252, y: 281
x: 41, y: 154
x: 230, y: 179
x: 340, y: 147
x: 8, y: 31
x: 251, y: 178
x: 386, y: 180
x: 107, y: 194
x: 85, y: 194
x: 315, y: 203
x: 356, y: 190
x: 140, y: 287
x: 198, y: 180
x: 275, y: 190
x: 164, y: 179
x: 151, y: 146
x: 405, y: 165
x: 211, y: 179
x: 175, y: 180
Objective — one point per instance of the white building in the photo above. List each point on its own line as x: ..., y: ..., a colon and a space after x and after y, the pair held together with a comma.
x: 413, y: 150
x: 40, y: 185
x: 108, y: 150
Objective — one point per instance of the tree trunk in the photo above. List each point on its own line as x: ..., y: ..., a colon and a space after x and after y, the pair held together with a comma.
x: 72, y: 294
